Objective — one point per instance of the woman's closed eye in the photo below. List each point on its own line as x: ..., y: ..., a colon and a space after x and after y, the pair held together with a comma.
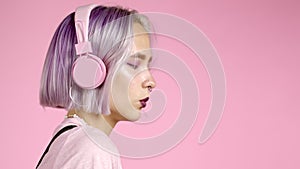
x: 133, y: 64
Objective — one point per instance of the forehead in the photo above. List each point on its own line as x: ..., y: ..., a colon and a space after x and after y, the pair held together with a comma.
x: 141, y: 40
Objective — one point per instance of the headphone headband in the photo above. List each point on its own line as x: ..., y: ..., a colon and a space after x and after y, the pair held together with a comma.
x: 82, y: 16
x: 88, y: 70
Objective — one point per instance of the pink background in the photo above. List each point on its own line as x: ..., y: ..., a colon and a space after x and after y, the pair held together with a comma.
x: 258, y: 43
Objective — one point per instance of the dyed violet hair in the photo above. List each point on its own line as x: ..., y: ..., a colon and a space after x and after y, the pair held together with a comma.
x: 110, y: 29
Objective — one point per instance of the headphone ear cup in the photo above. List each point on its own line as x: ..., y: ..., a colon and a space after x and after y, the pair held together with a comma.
x: 88, y: 71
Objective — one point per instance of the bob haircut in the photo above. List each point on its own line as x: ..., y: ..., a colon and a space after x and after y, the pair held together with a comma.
x: 110, y: 33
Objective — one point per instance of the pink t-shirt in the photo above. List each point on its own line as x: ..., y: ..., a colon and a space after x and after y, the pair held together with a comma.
x: 83, y: 147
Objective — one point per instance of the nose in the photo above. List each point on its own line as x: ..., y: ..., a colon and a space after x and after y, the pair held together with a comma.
x: 149, y: 81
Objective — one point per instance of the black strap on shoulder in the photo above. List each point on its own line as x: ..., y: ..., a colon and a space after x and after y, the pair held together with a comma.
x: 55, y: 136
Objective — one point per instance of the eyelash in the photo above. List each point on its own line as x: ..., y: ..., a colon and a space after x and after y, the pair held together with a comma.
x: 134, y: 66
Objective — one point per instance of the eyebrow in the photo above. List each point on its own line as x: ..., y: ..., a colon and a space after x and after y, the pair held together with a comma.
x: 140, y: 56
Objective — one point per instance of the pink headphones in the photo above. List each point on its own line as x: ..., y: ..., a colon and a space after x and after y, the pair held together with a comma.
x: 88, y: 71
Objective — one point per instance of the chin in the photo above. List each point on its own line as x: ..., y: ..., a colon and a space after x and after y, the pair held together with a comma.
x: 132, y: 116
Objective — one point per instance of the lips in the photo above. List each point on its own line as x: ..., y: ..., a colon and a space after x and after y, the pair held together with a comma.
x: 143, y: 102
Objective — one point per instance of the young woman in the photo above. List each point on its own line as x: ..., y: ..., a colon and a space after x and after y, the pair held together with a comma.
x: 97, y: 69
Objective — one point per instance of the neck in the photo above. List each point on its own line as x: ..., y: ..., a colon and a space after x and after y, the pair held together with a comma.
x: 99, y: 121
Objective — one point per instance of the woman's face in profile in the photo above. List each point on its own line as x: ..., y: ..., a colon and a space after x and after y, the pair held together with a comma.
x: 133, y: 81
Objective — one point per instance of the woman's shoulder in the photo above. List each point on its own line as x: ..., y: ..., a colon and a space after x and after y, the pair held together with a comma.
x: 88, y: 138
x: 92, y: 139
x: 87, y: 147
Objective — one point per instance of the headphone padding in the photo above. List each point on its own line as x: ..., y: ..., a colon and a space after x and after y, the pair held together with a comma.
x: 88, y: 71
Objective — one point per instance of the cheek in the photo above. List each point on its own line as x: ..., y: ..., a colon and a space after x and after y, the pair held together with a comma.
x: 120, y: 87
x: 122, y: 80
x: 134, y: 86
x: 127, y: 83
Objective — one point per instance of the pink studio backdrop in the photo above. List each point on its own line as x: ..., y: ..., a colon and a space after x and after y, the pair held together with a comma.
x: 258, y: 44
